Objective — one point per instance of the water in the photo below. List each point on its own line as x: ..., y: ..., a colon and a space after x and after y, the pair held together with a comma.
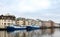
x: 33, y: 33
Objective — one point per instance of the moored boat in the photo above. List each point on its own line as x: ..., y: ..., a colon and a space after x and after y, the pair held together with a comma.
x: 32, y: 27
x: 15, y: 27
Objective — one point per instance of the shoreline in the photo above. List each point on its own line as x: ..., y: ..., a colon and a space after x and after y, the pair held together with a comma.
x: 3, y: 29
x: 40, y: 28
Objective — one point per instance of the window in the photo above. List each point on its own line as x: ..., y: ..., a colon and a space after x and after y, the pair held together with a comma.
x: 8, y: 20
x: 2, y: 17
x: 4, y: 20
x: 8, y: 23
x: 17, y: 22
x: 4, y: 23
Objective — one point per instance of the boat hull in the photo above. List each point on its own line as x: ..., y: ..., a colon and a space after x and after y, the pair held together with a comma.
x: 12, y: 28
x: 32, y: 28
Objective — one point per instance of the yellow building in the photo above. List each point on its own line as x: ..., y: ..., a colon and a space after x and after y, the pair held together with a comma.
x: 20, y: 21
x: 26, y: 22
x: 6, y: 20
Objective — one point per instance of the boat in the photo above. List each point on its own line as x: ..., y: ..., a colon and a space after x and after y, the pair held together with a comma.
x: 15, y: 27
x: 32, y: 27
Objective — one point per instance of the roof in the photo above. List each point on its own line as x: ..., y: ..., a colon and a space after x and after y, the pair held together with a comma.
x: 20, y: 18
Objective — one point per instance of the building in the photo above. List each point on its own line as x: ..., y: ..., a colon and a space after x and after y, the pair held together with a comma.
x: 56, y: 24
x: 30, y: 22
x: 6, y: 20
x: 48, y: 23
x: 20, y: 21
x: 39, y: 22
x: 26, y: 22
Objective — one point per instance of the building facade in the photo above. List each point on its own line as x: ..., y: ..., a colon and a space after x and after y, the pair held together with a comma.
x: 33, y: 22
x: 39, y: 22
x: 48, y: 23
x: 20, y: 21
x: 30, y: 22
x: 6, y: 20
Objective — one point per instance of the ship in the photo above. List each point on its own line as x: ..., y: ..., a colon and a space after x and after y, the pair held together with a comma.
x: 32, y: 27
x: 15, y: 27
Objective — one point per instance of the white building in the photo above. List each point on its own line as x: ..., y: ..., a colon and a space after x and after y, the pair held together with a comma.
x: 6, y: 20
x: 56, y: 24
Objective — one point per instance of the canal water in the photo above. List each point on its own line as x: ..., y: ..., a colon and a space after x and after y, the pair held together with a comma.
x: 32, y: 33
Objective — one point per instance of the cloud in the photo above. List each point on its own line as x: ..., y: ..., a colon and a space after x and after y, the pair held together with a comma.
x: 24, y: 5
x: 42, y: 9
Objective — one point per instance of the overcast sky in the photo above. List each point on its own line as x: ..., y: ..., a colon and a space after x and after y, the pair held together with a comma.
x: 36, y: 9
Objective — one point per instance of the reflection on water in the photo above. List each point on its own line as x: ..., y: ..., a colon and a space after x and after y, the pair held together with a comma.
x: 33, y: 33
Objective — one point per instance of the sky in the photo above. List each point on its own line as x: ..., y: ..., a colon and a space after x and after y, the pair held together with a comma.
x: 34, y: 9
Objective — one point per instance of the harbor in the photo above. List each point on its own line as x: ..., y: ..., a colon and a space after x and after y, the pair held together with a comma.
x: 10, y: 22
x: 29, y: 18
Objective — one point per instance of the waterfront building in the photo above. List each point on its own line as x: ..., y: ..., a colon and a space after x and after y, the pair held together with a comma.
x: 39, y: 22
x: 33, y: 22
x: 48, y: 23
x: 26, y: 22
x: 30, y: 22
x: 56, y: 25
x: 20, y: 21
x: 6, y: 20
x: 36, y: 22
